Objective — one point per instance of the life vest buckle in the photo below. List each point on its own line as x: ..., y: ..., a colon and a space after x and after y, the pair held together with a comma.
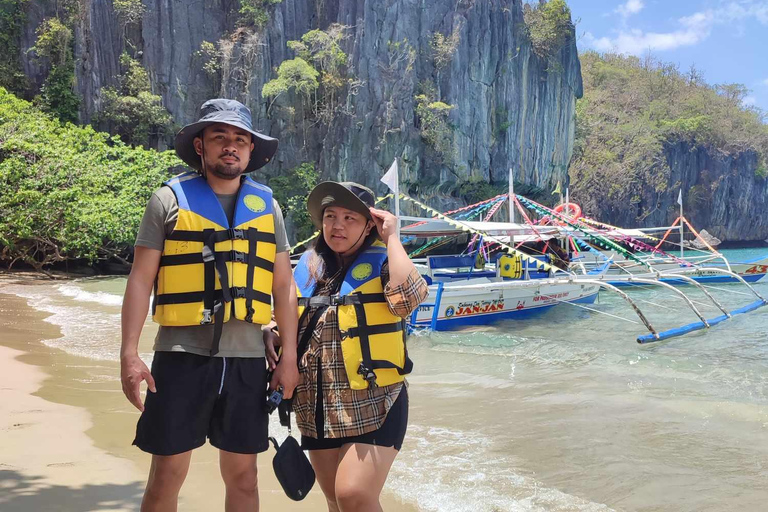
x: 237, y: 256
x: 236, y: 234
x: 338, y: 300
x: 207, y: 318
x: 368, y: 375
x: 208, y: 254
x: 238, y: 292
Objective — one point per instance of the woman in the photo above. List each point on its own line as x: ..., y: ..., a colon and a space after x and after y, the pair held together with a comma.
x: 357, y: 285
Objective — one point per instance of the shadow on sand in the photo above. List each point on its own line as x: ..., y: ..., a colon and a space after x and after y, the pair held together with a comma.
x: 19, y: 492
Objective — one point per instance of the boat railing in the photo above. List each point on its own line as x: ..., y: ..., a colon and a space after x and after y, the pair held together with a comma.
x: 435, y: 309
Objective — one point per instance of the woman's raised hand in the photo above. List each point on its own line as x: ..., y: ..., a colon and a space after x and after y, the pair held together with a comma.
x: 386, y: 223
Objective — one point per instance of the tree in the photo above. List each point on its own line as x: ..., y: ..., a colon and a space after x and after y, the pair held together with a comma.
x: 71, y: 193
x: 129, y: 11
x: 12, y: 20
x: 549, y: 26
x: 294, y: 74
x: 323, y: 50
x: 443, y: 49
x: 138, y: 115
x: 435, y: 130
x: 54, y: 43
x: 291, y: 190
x: 254, y: 12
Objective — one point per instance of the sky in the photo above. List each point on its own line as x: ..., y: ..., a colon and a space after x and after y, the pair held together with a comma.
x: 727, y: 40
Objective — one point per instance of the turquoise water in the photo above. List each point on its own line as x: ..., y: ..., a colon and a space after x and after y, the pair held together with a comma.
x: 563, y: 412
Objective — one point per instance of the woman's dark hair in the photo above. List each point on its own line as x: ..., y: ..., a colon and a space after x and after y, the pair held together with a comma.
x: 323, y: 265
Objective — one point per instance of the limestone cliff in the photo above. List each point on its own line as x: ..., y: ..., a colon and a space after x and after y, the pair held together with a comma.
x: 721, y: 193
x: 512, y: 108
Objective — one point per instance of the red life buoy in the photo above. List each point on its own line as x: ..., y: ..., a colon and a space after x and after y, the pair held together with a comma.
x: 570, y: 210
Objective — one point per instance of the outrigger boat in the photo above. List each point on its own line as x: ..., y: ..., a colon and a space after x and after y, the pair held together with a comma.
x: 519, y: 285
x: 632, y: 255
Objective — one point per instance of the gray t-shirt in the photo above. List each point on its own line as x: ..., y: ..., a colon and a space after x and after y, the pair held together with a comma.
x: 238, y: 338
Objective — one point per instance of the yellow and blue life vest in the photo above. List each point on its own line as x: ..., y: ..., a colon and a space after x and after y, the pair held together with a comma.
x: 510, y: 266
x: 373, y: 339
x: 210, y: 271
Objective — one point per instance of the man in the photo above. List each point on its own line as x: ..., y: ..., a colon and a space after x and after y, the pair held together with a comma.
x: 213, y: 246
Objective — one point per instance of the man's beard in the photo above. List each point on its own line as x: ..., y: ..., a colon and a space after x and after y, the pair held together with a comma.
x: 226, y: 171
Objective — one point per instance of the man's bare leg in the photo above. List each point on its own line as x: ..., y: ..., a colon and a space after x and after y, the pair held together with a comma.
x: 166, y: 476
x: 241, y: 481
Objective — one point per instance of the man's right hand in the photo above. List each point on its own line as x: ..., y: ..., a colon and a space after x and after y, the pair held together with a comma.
x: 132, y: 372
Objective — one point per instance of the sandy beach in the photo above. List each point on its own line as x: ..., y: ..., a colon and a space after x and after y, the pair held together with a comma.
x: 67, y: 431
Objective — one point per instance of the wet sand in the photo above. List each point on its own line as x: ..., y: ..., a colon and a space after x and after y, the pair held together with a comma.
x: 67, y: 431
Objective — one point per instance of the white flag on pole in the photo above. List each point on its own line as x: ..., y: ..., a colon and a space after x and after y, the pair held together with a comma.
x: 680, y: 197
x: 390, y: 179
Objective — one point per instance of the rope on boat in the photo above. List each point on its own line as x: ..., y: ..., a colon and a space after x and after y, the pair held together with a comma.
x: 676, y: 291
x: 482, y: 204
x: 488, y: 216
x: 725, y: 290
x: 599, y: 239
x: 438, y: 241
x: 598, y: 311
x: 464, y: 227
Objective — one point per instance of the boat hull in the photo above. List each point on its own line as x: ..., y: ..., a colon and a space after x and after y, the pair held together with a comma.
x: 457, y: 309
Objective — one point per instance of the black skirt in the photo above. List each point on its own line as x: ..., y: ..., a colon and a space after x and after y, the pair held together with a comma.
x: 391, y: 433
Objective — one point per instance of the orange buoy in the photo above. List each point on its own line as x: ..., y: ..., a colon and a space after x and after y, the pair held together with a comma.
x: 570, y: 210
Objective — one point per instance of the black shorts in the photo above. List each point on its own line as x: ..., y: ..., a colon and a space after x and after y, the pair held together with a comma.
x: 391, y: 433
x: 222, y: 399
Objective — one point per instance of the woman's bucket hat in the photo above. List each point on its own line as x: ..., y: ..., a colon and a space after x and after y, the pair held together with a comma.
x: 347, y: 194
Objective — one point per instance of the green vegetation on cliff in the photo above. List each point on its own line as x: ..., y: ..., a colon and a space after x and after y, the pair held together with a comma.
x: 12, y: 18
x: 255, y: 12
x: 548, y: 25
x: 633, y: 108
x: 135, y: 114
x: 69, y: 193
x: 291, y: 190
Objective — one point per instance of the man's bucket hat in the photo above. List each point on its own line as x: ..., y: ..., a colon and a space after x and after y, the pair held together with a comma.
x: 347, y: 194
x: 230, y: 112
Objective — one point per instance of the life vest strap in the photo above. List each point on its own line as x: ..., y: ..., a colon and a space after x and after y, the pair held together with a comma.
x: 211, y: 303
x: 253, y: 260
x: 371, y: 330
x: 342, y: 300
x: 191, y: 297
x: 377, y: 364
x: 220, y: 236
x: 235, y: 256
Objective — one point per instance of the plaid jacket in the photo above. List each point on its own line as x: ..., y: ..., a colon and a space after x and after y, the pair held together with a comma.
x: 347, y: 412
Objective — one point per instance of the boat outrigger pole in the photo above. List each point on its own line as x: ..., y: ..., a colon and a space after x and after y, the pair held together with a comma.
x: 682, y: 230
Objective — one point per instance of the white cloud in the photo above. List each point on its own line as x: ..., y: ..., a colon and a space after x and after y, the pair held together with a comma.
x: 631, y: 7
x: 691, y: 29
x: 765, y: 82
